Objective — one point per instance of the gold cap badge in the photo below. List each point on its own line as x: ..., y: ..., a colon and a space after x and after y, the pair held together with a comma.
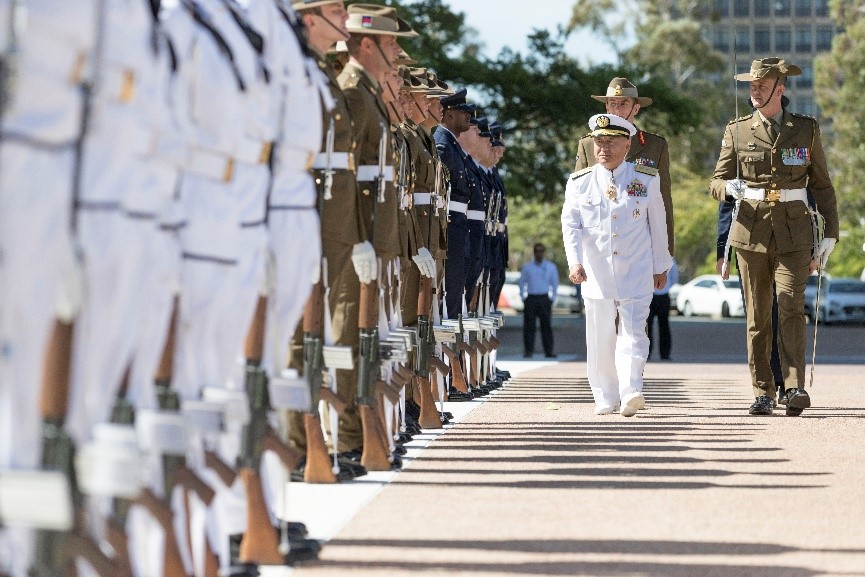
x: 603, y: 122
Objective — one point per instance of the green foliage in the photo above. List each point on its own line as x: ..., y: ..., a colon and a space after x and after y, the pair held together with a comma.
x: 839, y: 85
x: 530, y: 222
x: 696, y: 218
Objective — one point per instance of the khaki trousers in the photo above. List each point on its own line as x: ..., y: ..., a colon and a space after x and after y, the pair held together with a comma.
x: 789, y: 272
x: 344, y: 306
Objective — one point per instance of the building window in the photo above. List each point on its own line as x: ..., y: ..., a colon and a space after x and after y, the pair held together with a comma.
x: 806, y: 80
x: 782, y: 39
x: 803, y: 7
x: 823, y: 38
x: 803, y: 38
x: 741, y: 8
x: 762, y: 40
x: 821, y: 7
x: 782, y: 7
x: 721, y: 8
x: 761, y: 7
x: 721, y: 39
x: 743, y: 40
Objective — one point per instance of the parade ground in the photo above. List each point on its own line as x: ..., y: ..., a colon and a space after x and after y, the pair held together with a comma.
x: 529, y: 481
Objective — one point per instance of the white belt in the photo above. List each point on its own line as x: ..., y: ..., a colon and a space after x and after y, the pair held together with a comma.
x: 370, y: 172
x: 476, y: 215
x: 456, y: 206
x: 422, y: 198
x: 118, y: 82
x: 338, y: 161
x: 253, y: 151
x: 210, y: 164
x: 787, y: 194
x: 294, y: 158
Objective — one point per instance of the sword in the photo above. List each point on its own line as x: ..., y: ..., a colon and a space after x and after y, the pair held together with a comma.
x: 328, y: 171
x: 382, y: 152
x: 725, y: 267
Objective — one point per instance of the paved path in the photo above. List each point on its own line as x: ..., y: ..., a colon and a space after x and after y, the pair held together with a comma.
x: 531, y: 482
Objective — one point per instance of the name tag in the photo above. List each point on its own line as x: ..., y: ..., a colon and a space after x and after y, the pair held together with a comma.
x: 796, y: 156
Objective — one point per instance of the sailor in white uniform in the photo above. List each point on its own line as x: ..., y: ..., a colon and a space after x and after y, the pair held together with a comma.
x: 614, y: 230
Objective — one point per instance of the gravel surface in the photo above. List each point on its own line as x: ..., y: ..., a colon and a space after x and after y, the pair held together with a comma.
x: 533, y: 483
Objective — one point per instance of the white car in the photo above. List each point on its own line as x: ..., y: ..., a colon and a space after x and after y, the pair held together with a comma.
x: 841, y: 300
x: 711, y: 295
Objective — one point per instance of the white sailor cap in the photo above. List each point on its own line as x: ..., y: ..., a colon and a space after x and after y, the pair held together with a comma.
x: 611, y: 125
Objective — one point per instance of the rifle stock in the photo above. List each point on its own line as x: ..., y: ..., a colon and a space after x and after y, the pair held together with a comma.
x: 429, y: 416
x: 85, y: 548
x: 225, y: 473
x: 333, y: 400
x: 458, y: 379
x: 260, y: 543
x: 172, y: 565
x: 376, y: 454
x: 318, y: 464
x: 290, y: 457
x: 116, y: 537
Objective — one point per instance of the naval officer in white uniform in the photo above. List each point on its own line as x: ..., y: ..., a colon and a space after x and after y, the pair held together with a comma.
x: 614, y: 229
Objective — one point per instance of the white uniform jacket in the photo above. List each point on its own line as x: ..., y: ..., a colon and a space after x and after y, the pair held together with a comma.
x: 620, y: 242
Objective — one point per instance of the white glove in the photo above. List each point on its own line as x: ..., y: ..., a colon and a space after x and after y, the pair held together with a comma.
x: 735, y: 188
x: 824, y: 249
x: 425, y: 262
x: 365, y: 262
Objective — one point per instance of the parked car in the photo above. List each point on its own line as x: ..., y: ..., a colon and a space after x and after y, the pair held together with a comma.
x: 510, y: 298
x: 842, y: 300
x: 811, y: 292
x: 709, y: 294
x: 568, y: 300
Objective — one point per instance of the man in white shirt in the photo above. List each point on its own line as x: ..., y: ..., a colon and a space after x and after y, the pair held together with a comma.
x: 614, y: 230
x: 539, y: 283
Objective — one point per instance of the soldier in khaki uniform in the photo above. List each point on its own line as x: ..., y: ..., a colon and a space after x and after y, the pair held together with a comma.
x: 373, y: 50
x: 647, y: 149
x: 345, y: 241
x: 767, y: 160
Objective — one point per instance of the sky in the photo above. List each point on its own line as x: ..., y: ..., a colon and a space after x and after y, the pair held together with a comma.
x: 509, y: 22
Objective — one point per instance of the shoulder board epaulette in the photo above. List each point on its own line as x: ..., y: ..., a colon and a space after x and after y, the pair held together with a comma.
x: 652, y: 134
x: 586, y: 135
x: 580, y: 173
x: 651, y: 171
x: 797, y: 115
x: 741, y: 118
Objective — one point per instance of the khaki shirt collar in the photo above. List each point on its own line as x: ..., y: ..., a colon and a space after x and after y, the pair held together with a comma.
x: 365, y: 72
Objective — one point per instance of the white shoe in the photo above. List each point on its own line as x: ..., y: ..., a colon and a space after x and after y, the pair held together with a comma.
x: 632, y: 403
x: 606, y: 409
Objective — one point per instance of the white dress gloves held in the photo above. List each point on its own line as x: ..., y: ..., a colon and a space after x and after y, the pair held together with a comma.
x: 824, y: 249
x: 735, y: 189
x: 425, y: 262
x: 365, y: 262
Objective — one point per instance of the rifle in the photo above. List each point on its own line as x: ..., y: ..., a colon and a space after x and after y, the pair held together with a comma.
x: 318, y: 467
x: 458, y: 379
x: 175, y: 471
x: 260, y: 543
x: 429, y: 418
x: 375, y: 455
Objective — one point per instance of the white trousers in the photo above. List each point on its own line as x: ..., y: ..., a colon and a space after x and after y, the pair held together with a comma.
x: 35, y: 201
x: 615, y: 361
x: 295, y: 239
x: 158, y: 289
x: 106, y: 330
